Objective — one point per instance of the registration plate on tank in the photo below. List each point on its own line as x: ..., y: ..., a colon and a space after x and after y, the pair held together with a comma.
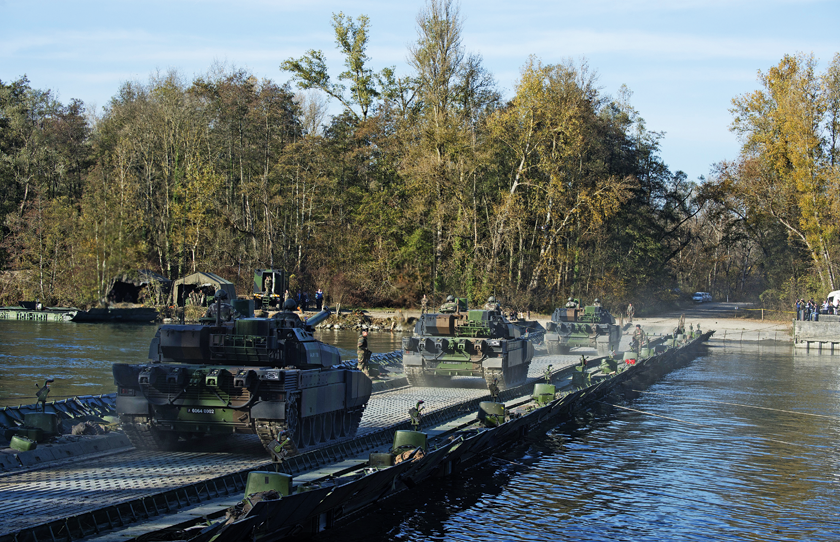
x: 201, y: 410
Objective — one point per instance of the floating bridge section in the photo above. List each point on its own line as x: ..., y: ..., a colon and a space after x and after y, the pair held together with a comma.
x: 78, y: 497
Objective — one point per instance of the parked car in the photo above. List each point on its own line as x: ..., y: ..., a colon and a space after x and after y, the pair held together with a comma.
x: 698, y: 297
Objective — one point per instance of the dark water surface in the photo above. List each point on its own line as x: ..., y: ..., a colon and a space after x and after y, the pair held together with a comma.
x: 79, y: 356
x: 741, y: 444
x: 682, y: 465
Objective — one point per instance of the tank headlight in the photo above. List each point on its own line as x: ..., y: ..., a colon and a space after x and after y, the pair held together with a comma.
x: 493, y: 342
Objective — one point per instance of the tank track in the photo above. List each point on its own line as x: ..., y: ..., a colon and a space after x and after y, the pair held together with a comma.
x: 556, y: 349
x: 508, y: 378
x: 143, y: 436
x: 269, y: 430
x: 419, y: 378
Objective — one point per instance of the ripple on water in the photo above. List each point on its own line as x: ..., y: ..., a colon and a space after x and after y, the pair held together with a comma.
x: 682, y: 466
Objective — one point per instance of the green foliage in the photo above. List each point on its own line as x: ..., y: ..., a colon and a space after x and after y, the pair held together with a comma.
x: 426, y: 183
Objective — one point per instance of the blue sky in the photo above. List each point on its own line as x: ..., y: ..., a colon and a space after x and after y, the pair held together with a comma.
x: 683, y: 60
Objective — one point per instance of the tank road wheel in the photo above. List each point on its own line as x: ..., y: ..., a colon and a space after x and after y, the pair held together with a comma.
x: 329, y: 427
x: 355, y: 420
x: 317, y: 429
x: 346, y: 423
x: 306, y: 432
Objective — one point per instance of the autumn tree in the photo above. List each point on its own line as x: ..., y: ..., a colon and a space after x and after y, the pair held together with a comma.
x: 786, y: 153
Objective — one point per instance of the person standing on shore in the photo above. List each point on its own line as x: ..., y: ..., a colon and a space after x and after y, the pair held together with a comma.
x: 319, y: 299
x: 424, y: 305
x: 630, y: 312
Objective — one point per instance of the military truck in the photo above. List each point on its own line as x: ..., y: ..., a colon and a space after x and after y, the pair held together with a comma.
x: 267, y: 376
x: 590, y: 326
x: 461, y: 342
x: 269, y: 287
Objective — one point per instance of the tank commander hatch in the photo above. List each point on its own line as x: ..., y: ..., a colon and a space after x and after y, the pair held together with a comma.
x: 226, y: 312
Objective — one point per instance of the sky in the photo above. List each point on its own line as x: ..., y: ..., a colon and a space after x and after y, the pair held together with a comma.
x: 684, y: 60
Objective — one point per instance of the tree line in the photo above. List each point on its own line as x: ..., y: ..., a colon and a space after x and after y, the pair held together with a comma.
x: 429, y: 183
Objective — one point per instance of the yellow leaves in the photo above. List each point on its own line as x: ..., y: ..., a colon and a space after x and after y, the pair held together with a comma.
x: 787, y: 159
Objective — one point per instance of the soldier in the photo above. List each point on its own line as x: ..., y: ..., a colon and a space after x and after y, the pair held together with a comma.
x: 362, y: 353
x: 450, y: 305
x: 597, y: 303
x: 424, y: 305
x: 491, y: 304
x: 639, y: 338
x: 267, y: 285
x: 630, y: 312
x: 570, y: 304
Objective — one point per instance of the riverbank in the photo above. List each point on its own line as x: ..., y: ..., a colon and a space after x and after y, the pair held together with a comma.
x: 724, y: 318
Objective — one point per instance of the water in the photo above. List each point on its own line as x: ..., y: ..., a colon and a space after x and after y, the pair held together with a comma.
x: 741, y: 444
x: 683, y: 465
x: 79, y: 356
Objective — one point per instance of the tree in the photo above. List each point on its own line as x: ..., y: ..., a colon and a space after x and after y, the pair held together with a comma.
x: 351, y: 37
x: 787, y: 159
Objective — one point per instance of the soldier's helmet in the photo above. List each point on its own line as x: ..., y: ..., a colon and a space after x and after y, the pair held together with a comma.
x: 289, y: 305
x: 570, y: 299
x: 491, y: 299
x: 221, y: 295
x: 450, y: 298
x: 597, y: 300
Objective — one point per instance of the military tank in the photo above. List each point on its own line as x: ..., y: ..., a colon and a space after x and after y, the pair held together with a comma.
x: 590, y: 326
x: 267, y: 376
x: 461, y: 342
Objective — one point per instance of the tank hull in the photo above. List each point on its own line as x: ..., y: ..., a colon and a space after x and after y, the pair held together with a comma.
x: 479, y: 343
x: 591, y: 327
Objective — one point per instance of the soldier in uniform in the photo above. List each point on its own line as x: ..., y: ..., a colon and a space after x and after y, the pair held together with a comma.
x: 424, y: 305
x: 450, y: 305
x: 267, y: 285
x: 630, y: 312
x: 363, y: 354
x: 570, y: 304
x: 639, y: 338
x: 597, y: 303
x: 491, y: 304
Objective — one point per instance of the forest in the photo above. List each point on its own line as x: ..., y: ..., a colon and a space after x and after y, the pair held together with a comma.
x: 427, y: 183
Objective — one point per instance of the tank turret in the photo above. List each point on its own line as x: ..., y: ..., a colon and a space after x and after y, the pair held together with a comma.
x: 251, y: 375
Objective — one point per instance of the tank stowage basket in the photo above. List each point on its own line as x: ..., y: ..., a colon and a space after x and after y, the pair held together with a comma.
x: 644, y: 353
x: 266, y: 480
x: 409, y: 440
x: 544, y: 393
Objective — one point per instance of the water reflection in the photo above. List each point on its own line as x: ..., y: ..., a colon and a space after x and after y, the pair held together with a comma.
x: 738, y: 445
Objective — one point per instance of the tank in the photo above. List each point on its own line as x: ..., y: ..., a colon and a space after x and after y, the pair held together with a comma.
x: 466, y: 343
x: 590, y: 326
x: 267, y: 376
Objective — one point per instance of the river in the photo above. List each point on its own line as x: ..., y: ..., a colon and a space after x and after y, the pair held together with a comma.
x: 740, y: 444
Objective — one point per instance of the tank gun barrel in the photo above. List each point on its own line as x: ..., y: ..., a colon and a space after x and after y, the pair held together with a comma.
x: 318, y: 318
